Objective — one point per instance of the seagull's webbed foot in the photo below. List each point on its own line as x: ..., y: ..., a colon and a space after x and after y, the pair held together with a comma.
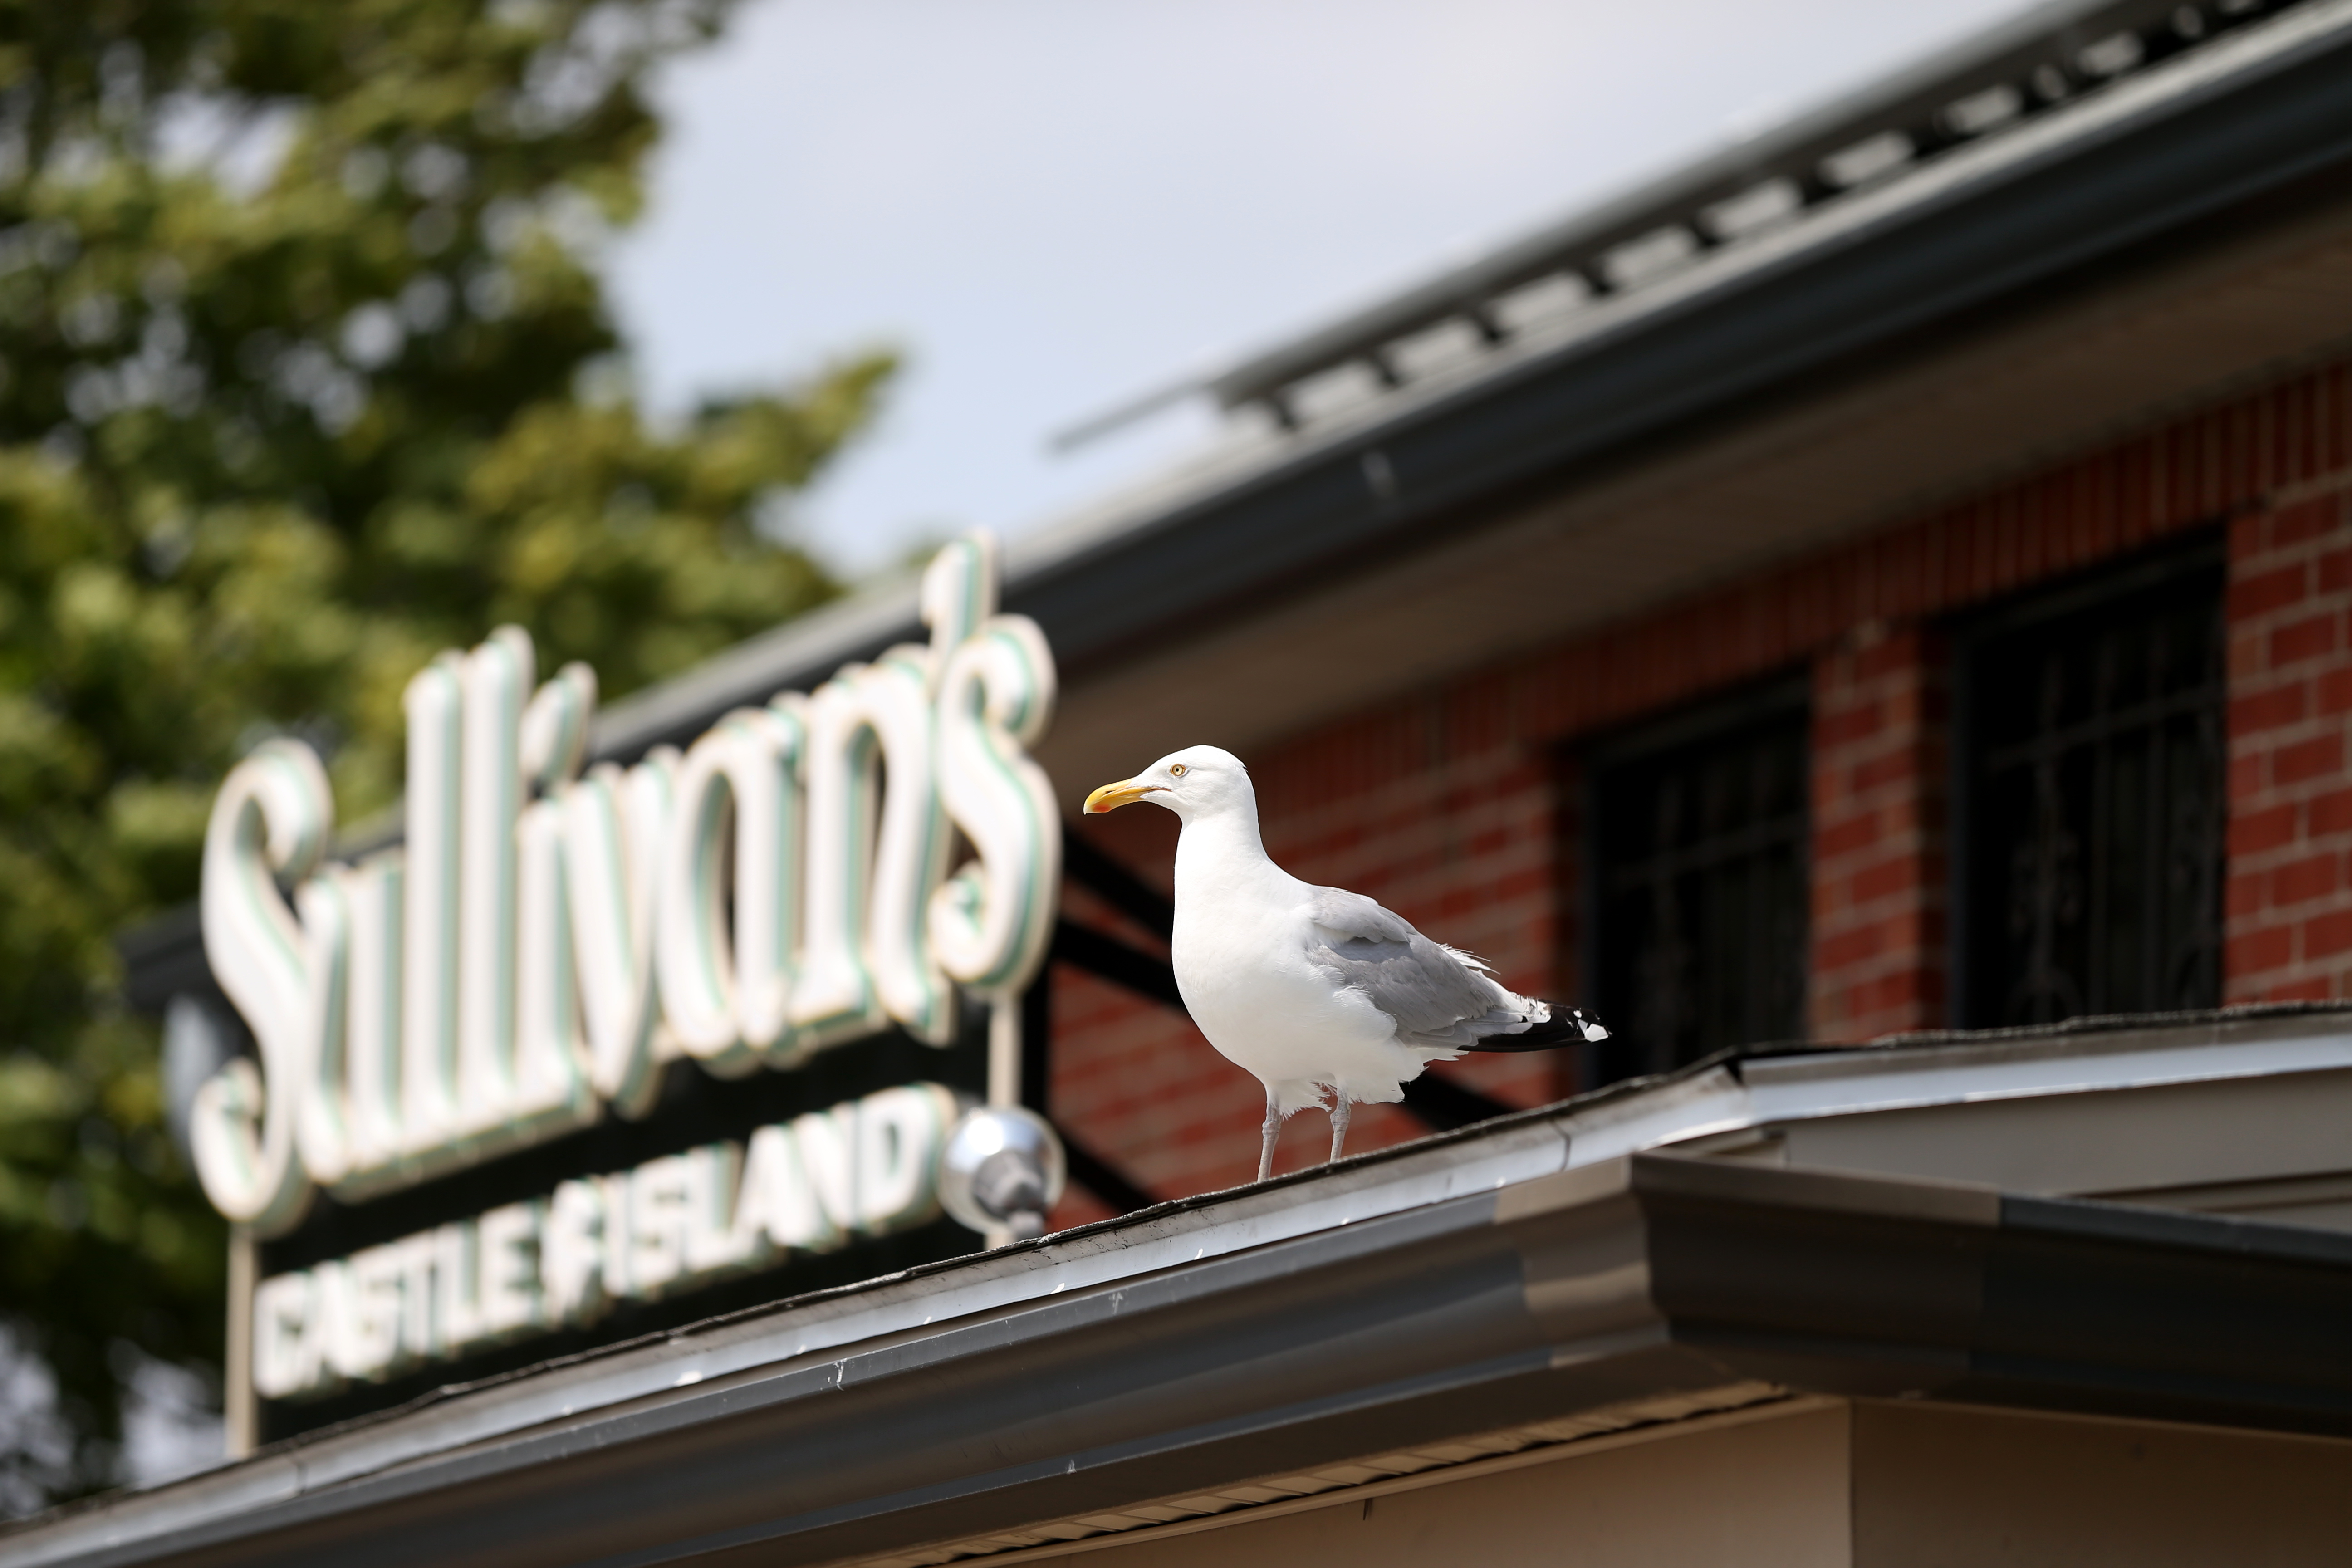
x: 1342, y: 1108
x: 1272, y: 1130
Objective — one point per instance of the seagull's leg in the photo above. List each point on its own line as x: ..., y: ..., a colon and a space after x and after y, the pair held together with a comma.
x: 1341, y: 1108
x: 1273, y: 1132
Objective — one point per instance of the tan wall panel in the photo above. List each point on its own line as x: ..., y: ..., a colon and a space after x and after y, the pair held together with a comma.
x: 1937, y: 1487
x: 1762, y: 1494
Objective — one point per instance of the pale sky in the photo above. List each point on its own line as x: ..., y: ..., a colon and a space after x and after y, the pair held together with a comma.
x: 1052, y: 205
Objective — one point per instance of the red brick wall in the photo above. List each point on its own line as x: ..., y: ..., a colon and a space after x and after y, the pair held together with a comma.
x: 1448, y: 804
x: 2289, y: 912
x: 1880, y: 766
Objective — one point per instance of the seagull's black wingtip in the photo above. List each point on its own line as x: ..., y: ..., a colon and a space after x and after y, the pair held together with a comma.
x: 1566, y: 1026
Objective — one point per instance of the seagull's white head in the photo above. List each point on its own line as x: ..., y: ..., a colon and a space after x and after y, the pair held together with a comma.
x: 1199, y: 780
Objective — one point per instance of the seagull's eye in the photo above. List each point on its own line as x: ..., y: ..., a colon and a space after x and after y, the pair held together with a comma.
x: 1177, y: 770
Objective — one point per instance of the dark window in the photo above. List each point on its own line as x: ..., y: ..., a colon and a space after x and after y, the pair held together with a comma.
x: 1698, y: 892
x: 2092, y: 771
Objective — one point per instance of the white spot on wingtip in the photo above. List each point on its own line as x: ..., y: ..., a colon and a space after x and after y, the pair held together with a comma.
x: 689, y: 1375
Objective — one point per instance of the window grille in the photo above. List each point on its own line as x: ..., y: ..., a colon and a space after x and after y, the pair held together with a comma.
x: 2090, y: 838
x: 1698, y: 891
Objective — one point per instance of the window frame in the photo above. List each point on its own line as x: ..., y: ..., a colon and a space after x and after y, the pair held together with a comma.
x: 1753, y: 705
x: 2202, y: 549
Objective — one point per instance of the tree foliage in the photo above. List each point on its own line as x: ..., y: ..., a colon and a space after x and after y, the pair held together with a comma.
x: 305, y: 374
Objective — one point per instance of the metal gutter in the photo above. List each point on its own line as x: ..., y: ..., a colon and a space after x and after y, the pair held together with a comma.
x: 1914, y: 102
x: 2184, y: 141
x: 2025, y: 66
x: 1415, y: 1186
x: 1645, y: 1276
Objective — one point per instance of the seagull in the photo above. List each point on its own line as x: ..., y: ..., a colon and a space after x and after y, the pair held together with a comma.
x: 1314, y: 991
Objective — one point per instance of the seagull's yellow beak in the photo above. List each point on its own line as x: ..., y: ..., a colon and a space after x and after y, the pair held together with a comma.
x: 1111, y: 796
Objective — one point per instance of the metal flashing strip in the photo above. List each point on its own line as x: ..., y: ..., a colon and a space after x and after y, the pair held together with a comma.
x: 1741, y: 1093
x: 1844, y: 1082
x: 1687, y: 1105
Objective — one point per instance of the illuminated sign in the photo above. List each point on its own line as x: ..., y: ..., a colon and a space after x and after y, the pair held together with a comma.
x: 546, y: 941
x: 863, y: 1168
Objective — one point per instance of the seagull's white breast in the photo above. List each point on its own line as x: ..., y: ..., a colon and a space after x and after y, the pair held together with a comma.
x: 1241, y: 961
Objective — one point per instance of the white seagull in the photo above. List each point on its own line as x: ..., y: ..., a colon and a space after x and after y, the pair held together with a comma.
x: 1315, y: 990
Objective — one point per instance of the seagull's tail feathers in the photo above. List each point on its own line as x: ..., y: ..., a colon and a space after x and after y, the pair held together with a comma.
x: 1563, y: 1026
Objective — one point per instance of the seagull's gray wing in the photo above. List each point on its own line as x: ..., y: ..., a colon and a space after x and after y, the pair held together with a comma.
x: 1441, y: 999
